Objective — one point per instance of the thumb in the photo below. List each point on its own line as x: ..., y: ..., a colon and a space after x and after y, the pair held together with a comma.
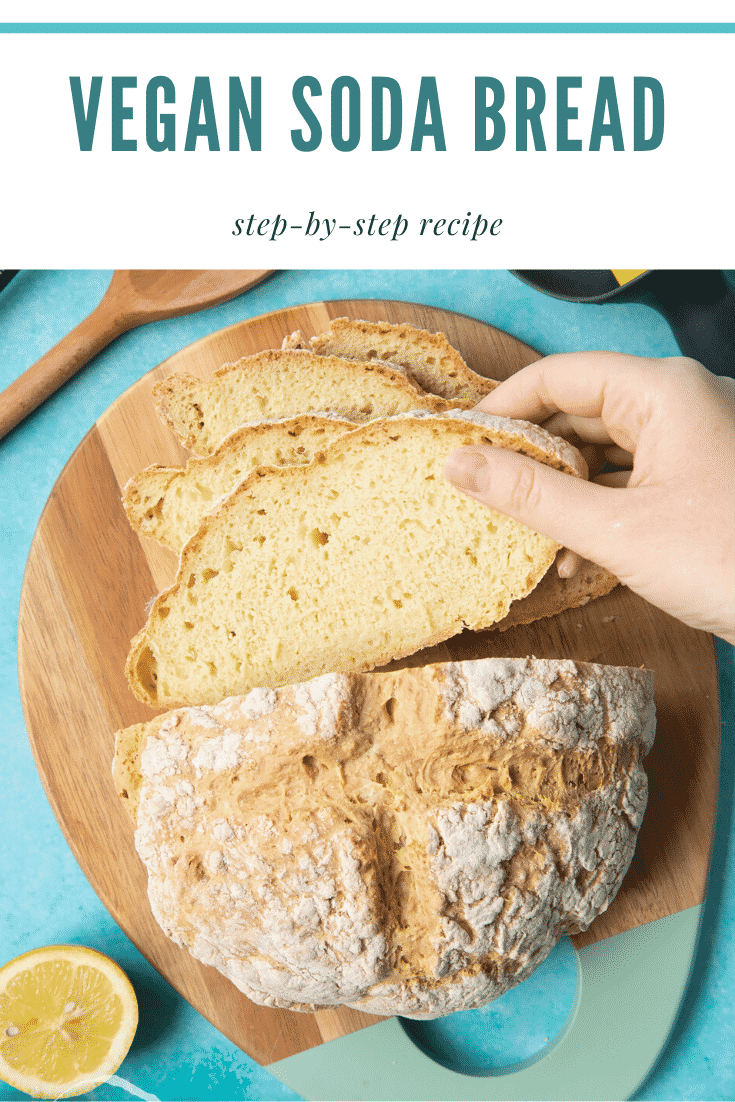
x: 580, y: 515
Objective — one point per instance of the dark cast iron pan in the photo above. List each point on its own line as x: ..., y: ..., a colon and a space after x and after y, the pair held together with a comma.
x: 698, y: 305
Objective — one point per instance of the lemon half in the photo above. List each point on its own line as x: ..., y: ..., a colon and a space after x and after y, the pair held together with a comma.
x: 68, y: 1016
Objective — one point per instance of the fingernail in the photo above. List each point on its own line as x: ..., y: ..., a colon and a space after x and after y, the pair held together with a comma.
x: 464, y: 469
x: 567, y: 563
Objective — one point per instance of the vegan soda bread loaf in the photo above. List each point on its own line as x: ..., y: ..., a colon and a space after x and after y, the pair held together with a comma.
x: 169, y: 503
x: 332, y: 566
x: 276, y: 384
x: 427, y: 357
x: 409, y: 843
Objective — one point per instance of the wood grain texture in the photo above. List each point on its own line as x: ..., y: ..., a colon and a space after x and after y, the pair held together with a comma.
x: 89, y: 578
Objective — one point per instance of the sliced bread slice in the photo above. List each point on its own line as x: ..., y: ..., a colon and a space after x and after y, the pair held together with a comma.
x: 332, y: 566
x: 428, y: 357
x: 283, y: 383
x: 554, y: 594
x: 169, y: 503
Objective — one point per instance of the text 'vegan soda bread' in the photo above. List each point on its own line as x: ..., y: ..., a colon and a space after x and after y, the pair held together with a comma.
x: 333, y: 566
x: 412, y: 842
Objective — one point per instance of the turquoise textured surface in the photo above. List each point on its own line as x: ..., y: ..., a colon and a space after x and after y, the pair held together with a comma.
x: 45, y: 897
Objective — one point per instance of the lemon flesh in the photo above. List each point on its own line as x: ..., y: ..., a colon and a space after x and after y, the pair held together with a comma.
x: 68, y: 1016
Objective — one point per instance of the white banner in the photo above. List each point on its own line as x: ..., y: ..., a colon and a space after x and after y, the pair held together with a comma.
x: 494, y: 150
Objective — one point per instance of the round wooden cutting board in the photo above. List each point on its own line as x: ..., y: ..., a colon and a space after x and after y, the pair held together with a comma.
x: 88, y: 581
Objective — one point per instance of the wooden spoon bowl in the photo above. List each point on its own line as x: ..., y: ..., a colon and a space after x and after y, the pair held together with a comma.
x: 132, y: 298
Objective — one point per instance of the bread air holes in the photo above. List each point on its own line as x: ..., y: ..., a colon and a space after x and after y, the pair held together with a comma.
x: 204, y: 491
x: 232, y: 548
x: 311, y: 767
x: 208, y: 574
x: 146, y: 671
x: 318, y: 538
x: 293, y: 593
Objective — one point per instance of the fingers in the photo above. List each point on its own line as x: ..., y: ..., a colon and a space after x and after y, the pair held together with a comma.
x: 618, y: 457
x: 616, y: 479
x: 613, y: 389
x: 597, y: 458
x: 580, y: 515
x: 567, y: 563
x: 590, y: 429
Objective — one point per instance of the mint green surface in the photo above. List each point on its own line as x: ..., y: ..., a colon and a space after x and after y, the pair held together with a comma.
x: 510, y: 1031
x: 630, y: 990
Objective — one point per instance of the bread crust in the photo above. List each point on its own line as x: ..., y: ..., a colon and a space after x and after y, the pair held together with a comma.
x: 411, y: 842
x: 429, y: 358
x: 553, y: 595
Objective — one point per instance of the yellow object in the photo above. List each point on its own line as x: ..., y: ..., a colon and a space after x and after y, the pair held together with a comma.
x: 625, y: 275
x: 68, y: 1016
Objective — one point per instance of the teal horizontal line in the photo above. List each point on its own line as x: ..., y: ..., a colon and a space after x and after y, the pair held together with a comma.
x: 367, y: 28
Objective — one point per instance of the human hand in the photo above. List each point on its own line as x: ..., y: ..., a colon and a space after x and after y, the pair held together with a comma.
x: 669, y: 533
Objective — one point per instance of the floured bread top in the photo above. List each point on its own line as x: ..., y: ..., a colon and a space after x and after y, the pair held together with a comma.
x: 409, y: 843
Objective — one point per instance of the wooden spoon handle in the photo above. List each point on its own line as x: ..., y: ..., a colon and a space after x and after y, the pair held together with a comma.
x: 72, y: 352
